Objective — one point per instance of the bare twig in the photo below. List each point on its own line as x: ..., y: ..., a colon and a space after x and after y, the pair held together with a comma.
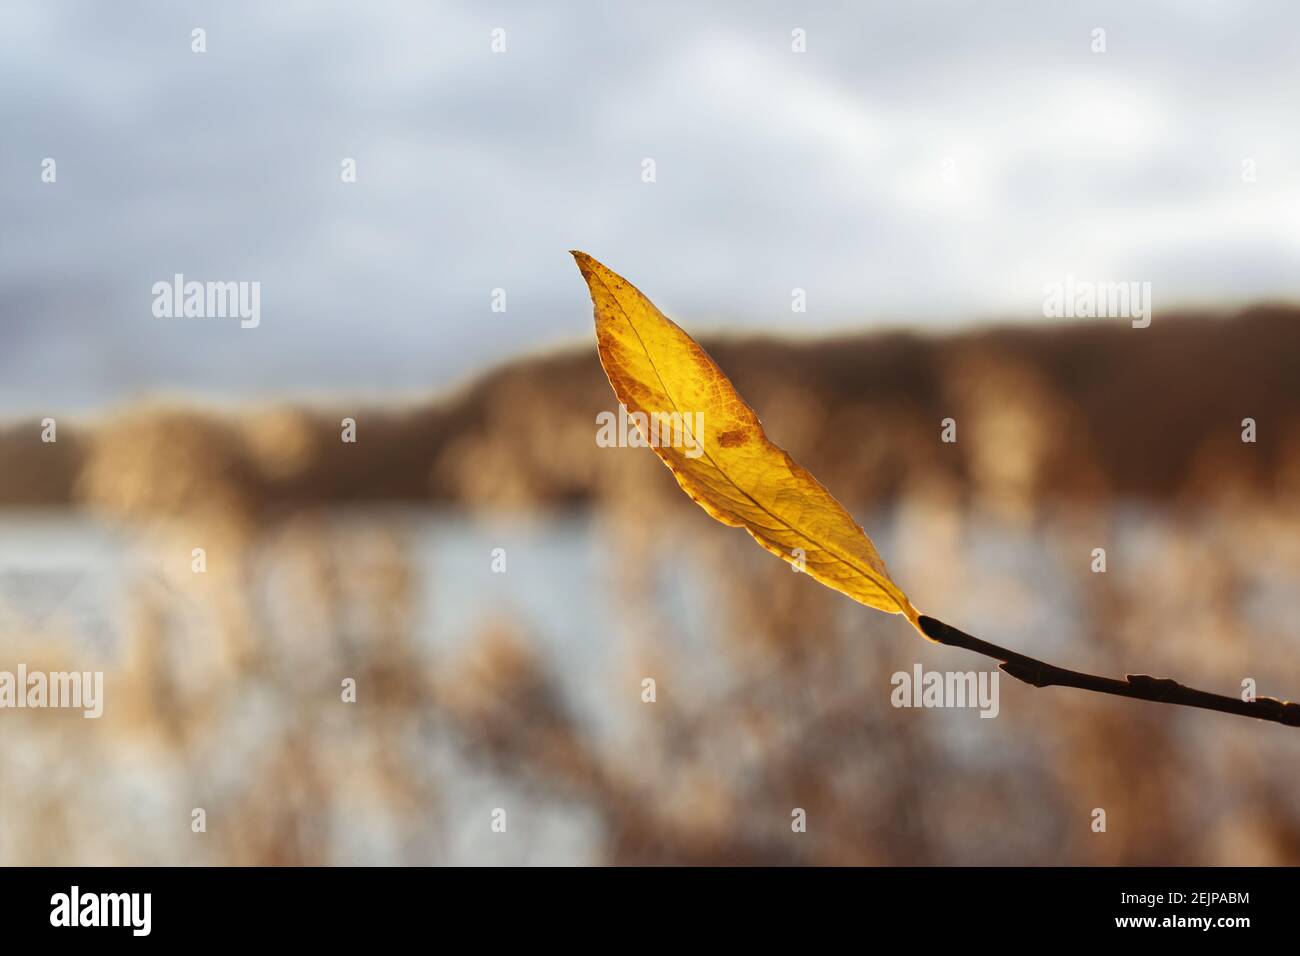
x: 1159, y: 690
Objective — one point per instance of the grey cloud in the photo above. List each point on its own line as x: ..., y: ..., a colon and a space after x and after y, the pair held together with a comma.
x: 775, y: 170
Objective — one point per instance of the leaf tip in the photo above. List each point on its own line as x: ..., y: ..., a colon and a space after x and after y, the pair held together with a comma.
x: 592, y: 271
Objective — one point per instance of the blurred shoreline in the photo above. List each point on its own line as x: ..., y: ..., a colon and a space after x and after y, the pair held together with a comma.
x: 1082, y: 411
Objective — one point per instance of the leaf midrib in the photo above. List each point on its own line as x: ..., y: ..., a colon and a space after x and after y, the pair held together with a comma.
x: 867, y: 573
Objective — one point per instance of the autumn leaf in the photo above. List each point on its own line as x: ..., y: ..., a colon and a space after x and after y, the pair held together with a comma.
x: 721, y: 457
x: 688, y: 411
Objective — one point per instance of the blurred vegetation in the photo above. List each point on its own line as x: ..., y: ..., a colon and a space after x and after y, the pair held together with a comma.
x: 224, y: 687
x: 1086, y: 410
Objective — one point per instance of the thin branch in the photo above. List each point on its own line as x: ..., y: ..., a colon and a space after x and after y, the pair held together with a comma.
x: 1139, y: 686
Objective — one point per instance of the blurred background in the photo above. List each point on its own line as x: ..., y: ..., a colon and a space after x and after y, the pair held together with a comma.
x: 499, y: 586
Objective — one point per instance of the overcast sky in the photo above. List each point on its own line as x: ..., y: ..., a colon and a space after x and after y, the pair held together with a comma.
x: 923, y: 164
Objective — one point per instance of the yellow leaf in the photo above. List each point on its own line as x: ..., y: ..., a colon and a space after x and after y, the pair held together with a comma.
x: 696, y: 421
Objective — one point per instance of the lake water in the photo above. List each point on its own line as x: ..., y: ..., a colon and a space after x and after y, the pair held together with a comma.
x: 68, y: 577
